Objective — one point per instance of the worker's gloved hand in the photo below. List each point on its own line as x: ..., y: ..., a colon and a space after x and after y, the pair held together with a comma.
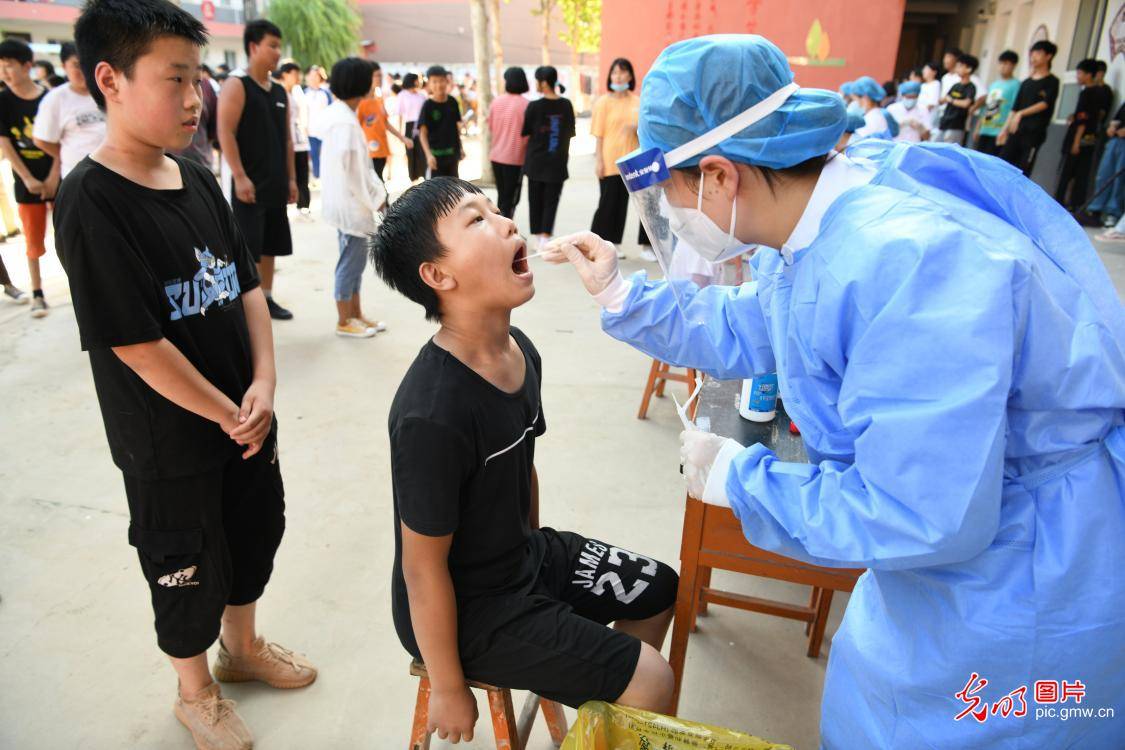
x: 593, y: 258
x: 699, y: 453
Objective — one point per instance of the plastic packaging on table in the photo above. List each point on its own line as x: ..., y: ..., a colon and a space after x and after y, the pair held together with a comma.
x: 605, y: 726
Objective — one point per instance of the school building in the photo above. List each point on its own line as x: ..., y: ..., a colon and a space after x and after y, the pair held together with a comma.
x: 829, y: 41
x: 45, y: 24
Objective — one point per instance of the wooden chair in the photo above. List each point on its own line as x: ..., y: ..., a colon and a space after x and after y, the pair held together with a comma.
x: 658, y: 376
x: 510, y: 734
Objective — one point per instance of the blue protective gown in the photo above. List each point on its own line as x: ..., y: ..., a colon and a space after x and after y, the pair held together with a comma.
x: 952, y: 348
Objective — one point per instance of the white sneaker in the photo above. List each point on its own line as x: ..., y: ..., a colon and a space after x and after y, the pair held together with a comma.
x: 620, y: 252
x: 16, y: 296
x: 38, y: 307
x: 376, y: 325
x: 648, y: 255
x: 1111, y: 236
x: 355, y: 329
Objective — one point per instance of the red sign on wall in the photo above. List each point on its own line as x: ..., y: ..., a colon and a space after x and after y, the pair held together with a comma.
x: 208, y: 10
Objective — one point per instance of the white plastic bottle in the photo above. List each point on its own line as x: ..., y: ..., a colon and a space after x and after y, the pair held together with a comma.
x: 759, y: 398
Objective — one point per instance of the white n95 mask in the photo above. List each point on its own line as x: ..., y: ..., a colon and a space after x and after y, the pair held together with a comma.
x: 701, y: 233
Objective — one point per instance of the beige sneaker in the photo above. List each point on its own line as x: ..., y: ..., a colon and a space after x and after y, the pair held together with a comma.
x: 212, y: 721
x: 355, y: 329
x: 378, y: 325
x: 269, y: 663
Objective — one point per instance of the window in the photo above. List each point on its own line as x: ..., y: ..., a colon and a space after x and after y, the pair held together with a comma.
x: 1091, y: 15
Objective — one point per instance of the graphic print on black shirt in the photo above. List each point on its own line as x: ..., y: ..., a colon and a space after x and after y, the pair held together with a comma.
x: 261, y: 135
x: 149, y: 264
x: 461, y: 458
x: 1032, y: 91
x: 442, y: 126
x: 953, y: 118
x: 17, y: 122
x: 550, y: 123
x: 1089, y: 111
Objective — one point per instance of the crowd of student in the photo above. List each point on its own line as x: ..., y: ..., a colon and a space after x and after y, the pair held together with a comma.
x: 170, y: 283
x: 1008, y: 119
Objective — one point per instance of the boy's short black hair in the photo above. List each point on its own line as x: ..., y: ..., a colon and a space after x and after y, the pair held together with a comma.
x: 515, y: 81
x: 46, y: 66
x: 1102, y: 67
x: 1089, y: 66
x: 1010, y: 56
x: 288, y: 67
x: 436, y: 71
x: 67, y: 51
x: 351, y: 77
x: 955, y: 51
x: 118, y: 32
x: 625, y: 65
x: 256, y: 31
x: 16, y: 49
x: 1044, y: 46
x: 407, y: 238
x: 969, y: 61
x: 410, y: 80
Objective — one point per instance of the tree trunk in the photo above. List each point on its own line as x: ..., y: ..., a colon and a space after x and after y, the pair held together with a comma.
x: 577, y: 98
x: 497, y: 48
x: 547, y: 33
x: 483, y: 55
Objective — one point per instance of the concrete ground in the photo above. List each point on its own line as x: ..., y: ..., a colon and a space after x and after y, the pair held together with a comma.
x: 77, y: 654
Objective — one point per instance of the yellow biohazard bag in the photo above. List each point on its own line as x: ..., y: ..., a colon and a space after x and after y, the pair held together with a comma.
x: 604, y: 726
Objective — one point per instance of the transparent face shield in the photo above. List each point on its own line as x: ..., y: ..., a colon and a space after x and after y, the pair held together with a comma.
x: 689, y: 246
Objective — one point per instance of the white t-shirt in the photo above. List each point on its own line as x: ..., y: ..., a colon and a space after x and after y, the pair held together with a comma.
x: 71, y: 120
x: 911, y: 122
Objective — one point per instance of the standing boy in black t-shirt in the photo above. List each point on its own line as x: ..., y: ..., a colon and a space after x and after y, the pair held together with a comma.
x: 257, y: 144
x: 1081, y: 137
x: 439, y: 126
x: 962, y: 95
x: 34, y: 172
x: 1026, y: 128
x: 479, y: 590
x: 169, y: 308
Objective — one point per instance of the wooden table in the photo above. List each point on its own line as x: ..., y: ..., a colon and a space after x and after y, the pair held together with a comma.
x: 713, y: 538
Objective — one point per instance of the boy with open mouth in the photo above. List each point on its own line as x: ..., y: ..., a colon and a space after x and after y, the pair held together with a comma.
x: 481, y: 591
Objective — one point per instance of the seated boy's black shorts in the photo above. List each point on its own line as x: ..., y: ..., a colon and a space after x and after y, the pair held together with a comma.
x: 264, y: 226
x: 206, y: 541
x: 554, y: 639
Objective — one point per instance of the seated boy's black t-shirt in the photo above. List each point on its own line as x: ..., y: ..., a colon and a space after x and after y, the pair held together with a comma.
x: 443, y: 128
x: 954, y: 117
x: 149, y: 264
x: 461, y: 458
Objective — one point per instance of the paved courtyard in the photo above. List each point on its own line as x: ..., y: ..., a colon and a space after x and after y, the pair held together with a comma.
x: 78, y: 657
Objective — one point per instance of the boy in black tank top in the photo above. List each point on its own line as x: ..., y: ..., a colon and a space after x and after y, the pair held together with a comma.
x: 257, y: 144
x: 479, y: 589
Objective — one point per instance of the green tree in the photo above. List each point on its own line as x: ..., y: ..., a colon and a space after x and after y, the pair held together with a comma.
x: 583, y: 35
x: 583, y: 25
x: 318, y: 32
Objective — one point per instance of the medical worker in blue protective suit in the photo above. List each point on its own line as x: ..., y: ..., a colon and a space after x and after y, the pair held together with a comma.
x: 877, y: 123
x: 952, y: 349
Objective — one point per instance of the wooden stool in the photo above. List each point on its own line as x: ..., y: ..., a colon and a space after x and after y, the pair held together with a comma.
x: 658, y: 376
x: 510, y: 733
